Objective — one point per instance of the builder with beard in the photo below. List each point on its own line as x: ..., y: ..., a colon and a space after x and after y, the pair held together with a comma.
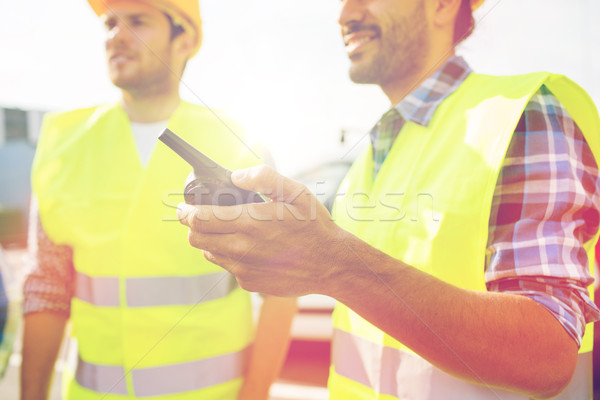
x: 460, y: 244
x: 150, y: 316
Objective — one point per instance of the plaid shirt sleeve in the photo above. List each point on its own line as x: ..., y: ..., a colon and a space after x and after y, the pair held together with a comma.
x: 545, y: 206
x: 51, y: 284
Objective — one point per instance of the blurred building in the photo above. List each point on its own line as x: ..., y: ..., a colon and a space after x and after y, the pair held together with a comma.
x: 19, y: 130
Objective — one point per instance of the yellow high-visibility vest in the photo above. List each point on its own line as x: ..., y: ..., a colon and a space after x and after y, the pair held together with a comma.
x: 151, y: 316
x: 429, y: 206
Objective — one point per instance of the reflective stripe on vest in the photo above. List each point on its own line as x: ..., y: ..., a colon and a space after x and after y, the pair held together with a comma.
x: 154, y: 291
x: 100, y: 291
x: 406, y: 375
x: 101, y: 378
x: 166, y: 379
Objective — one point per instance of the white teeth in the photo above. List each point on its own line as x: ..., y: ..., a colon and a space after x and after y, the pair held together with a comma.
x: 119, y: 59
x: 355, y: 43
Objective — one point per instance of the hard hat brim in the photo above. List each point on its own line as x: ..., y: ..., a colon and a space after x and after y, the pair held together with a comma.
x: 475, y: 4
x: 190, y: 22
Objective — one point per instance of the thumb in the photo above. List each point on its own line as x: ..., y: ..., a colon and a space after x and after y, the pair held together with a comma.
x: 264, y: 179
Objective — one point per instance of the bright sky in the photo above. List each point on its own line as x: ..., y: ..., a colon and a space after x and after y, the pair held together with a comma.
x: 279, y: 64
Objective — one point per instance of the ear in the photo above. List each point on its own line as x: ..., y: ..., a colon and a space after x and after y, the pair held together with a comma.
x: 445, y: 12
x: 183, y: 45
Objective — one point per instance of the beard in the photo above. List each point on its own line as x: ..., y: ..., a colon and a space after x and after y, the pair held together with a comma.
x: 144, y: 74
x: 402, y: 51
x: 142, y: 80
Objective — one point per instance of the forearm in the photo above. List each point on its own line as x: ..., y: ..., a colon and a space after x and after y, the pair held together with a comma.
x: 494, y: 339
x: 42, y: 336
x: 270, y: 346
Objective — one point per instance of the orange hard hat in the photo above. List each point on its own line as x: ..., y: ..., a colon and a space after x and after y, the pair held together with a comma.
x: 184, y: 13
x: 475, y: 4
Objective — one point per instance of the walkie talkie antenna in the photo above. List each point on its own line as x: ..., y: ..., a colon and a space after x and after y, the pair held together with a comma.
x: 190, y: 154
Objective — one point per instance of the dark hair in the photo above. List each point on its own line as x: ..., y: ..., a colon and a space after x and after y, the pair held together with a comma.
x: 464, y: 24
x: 176, y: 30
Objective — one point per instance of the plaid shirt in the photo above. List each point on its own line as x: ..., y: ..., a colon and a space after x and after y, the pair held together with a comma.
x: 545, y: 205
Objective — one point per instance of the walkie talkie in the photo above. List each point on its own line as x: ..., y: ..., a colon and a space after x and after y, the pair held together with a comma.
x: 208, y: 183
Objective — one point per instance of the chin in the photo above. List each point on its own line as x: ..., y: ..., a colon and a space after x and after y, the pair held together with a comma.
x: 364, y: 69
x: 123, y: 82
x: 364, y: 75
x: 122, y: 75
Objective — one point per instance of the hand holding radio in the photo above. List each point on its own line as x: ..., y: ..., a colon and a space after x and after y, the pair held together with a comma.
x: 281, y: 247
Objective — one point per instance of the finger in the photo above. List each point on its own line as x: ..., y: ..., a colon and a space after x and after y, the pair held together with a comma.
x: 184, y: 213
x: 230, y: 265
x: 210, y: 219
x: 269, y: 182
x: 232, y: 245
x: 217, y: 259
x: 234, y: 263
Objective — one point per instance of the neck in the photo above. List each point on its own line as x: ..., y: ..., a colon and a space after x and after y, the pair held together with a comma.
x: 147, y: 108
x: 397, y: 89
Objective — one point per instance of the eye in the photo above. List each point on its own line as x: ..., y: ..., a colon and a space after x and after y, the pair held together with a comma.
x: 109, y: 24
x: 136, y: 21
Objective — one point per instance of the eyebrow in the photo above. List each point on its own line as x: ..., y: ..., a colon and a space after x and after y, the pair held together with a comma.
x: 127, y: 17
x: 139, y: 15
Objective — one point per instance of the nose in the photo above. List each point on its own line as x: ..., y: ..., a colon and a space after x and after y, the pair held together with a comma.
x: 352, y: 11
x: 118, y: 33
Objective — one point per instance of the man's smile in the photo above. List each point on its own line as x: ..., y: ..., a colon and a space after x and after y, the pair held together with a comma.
x: 356, y: 39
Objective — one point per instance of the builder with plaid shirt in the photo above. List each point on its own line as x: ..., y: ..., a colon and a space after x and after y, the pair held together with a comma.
x: 463, y: 267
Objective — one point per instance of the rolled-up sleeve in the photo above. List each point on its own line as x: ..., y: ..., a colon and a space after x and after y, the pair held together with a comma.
x: 546, y: 206
x: 51, y: 283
